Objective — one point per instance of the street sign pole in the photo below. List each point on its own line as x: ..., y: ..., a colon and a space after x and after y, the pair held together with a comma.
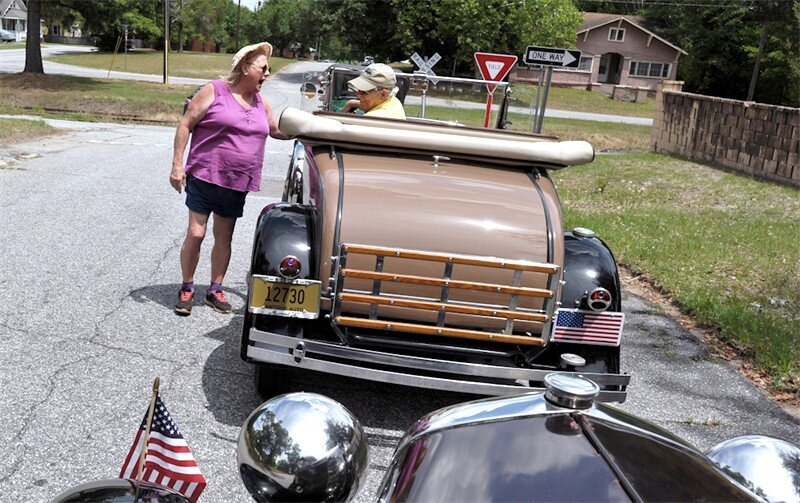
x: 547, y: 58
x: 493, y: 67
x: 425, y: 68
x: 488, y: 113
x: 166, y: 42
x: 544, y: 99
x: 125, y: 29
x: 535, y: 104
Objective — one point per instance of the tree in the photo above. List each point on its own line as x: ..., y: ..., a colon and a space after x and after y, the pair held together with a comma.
x: 33, y: 47
x: 104, y: 20
x: 280, y: 22
x: 613, y: 7
x: 394, y: 29
x: 722, y: 42
x: 458, y: 28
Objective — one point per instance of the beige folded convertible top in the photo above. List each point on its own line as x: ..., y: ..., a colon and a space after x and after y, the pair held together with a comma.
x: 375, y: 134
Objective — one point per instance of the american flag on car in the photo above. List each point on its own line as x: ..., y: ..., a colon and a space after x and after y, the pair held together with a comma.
x: 168, y: 461
x: 588, y: 327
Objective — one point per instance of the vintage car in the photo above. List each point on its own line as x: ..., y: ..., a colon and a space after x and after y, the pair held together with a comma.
x: 555, y: 446
x: 429, y: 254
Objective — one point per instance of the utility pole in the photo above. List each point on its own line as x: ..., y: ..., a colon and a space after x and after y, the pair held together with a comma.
x: 166, y: 42
x: 125, y: 29
x: 751, y: 91
x: 238, y: 19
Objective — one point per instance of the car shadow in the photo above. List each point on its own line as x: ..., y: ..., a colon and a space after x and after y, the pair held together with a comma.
x: 229, y: 387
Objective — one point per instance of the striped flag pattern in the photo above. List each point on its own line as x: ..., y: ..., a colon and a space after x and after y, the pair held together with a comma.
x: 168, y: 461
x: 588, y: 327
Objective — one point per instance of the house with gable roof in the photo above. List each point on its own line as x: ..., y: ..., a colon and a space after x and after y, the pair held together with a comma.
x: 14, y: 17
x: 618, y: 52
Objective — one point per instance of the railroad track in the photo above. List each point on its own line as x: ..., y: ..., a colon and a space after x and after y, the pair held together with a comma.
x: 102, y: 115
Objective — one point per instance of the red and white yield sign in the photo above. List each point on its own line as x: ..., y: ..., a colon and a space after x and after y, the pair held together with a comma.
x: 493, y: 67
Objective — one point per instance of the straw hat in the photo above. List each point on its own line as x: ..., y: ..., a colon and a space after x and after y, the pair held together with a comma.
x: 264, y: 48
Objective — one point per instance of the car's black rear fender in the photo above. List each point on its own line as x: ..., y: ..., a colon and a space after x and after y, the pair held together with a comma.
x: 588, y: 264
x: 283, y: 229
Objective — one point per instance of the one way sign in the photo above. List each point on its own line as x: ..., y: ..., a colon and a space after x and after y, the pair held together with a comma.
x: 551, y: 56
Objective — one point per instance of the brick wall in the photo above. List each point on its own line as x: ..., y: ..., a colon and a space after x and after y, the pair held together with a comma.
x: 754, y: 138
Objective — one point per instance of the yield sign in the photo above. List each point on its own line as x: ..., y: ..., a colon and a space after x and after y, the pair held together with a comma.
x: 494, y: 66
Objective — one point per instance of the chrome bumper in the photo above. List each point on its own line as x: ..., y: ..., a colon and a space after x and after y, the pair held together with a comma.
x: 314, y: 355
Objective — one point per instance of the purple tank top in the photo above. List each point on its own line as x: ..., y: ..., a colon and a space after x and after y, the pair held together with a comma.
x: 228, y: 142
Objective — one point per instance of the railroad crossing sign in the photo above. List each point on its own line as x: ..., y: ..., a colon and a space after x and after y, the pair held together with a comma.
x: 426, y: 67
x: 493, y: 67
x: 551, y: 56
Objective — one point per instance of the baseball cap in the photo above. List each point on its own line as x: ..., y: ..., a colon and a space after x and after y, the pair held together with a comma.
x: 375, y: 75
x: 264, y: 48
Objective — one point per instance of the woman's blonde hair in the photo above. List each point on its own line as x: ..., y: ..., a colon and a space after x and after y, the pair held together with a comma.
x: 236, y: 73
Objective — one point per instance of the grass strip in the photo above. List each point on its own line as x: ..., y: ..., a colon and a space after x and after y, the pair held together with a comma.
x: 558, y: 98
x: 78, y: 97
x: 602, y: 135
x: 722, y: 245
x: 16, y: 130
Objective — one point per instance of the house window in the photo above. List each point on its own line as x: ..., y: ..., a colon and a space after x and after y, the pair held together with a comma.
x: 585, y: 65
x: 648, y: 69
x: 616, y: 34
x: 54, y: 31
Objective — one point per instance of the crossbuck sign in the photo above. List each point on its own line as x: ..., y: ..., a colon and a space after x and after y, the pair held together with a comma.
x: 426, y: 67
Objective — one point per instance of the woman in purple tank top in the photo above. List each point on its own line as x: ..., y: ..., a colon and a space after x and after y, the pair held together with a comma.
x: 229, y: 123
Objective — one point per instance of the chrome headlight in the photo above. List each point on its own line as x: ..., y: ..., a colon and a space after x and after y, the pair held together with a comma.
x: 767, y: 466
x: 302, y: 447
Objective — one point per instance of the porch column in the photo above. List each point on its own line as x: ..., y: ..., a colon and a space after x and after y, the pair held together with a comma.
x: 595, y: 71
x: 625, y: 71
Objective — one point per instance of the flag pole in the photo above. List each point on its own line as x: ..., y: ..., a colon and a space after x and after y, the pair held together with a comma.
x: 148, y: 425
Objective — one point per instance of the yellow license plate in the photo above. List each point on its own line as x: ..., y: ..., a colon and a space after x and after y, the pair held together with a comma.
x: 289, y: 298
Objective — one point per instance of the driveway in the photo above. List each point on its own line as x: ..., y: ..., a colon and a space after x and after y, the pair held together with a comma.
x: 90, y: 243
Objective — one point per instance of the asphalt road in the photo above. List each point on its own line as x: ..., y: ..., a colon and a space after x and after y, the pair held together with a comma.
x: 89, y: 240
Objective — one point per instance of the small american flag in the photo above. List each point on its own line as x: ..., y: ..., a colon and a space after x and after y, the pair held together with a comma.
x: 588, y: 327
x: 168, y: 460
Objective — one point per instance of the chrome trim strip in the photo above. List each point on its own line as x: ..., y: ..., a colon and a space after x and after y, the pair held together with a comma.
x: 549, y: 305
x: 338, y: 226
x: 276, y: 348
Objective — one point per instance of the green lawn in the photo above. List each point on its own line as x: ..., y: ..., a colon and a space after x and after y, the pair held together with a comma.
x: 200, y: 65
x: 12, y: 45
x: 722, y: 245
x: 14, y: 130
x: 558, y: 98
x: 81, y: 98
x: 562, y: 98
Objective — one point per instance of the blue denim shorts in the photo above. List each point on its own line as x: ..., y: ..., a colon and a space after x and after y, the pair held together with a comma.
x: 206, y: 198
